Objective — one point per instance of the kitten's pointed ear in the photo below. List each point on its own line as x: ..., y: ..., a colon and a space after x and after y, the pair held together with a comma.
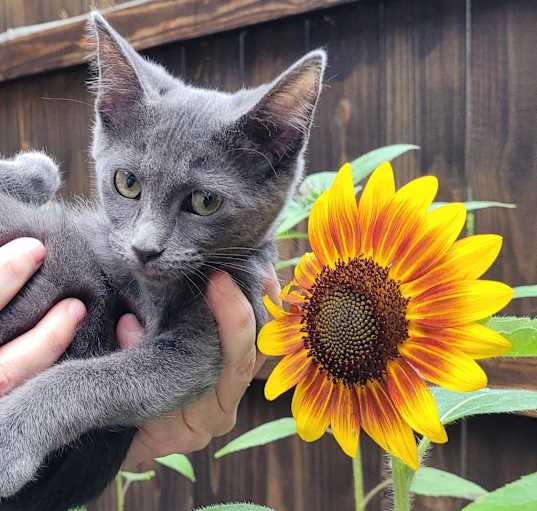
x: 281, y: 120
x: 118, y: 85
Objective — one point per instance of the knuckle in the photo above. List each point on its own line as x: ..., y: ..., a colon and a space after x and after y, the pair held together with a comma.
x: 228, y: 423
x: 195, y: 442
x: 53, y: 340
x: 245, y: 319
x: 244, y: 370
x: 15, y: 268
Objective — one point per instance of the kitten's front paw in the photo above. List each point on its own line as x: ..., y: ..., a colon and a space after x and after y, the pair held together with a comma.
x: 17, y: 467
x: 41, y: 174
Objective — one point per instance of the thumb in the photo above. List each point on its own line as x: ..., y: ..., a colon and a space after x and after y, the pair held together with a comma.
x: 129, y: 331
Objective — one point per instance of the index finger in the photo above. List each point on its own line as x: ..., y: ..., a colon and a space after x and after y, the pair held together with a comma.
x: 19, y: 259
x: 39, y: 348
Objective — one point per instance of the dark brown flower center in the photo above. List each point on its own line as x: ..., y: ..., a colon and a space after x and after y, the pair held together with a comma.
x: 354, y: 321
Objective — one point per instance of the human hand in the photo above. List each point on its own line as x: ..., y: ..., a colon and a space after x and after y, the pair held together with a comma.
x: 43, y: 345
x: 191, y: 428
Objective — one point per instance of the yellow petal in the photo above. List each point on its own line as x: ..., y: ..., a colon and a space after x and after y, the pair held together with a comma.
x: 307, y: 270
x: 313, y: 415
x: 447, y: 367
x: 345, y: 419
x: 433, y: 239
x: 381, y: 421
x: 286, y: 374
x: 414, y: 401
x: 281, y: 336
x: 333, y: 222
x: 457, y: 303
x: 467, y: 259
x: 474, y: 339
x: 401, y: 217
x: 378, y: 192
x: 302, y: 387
x: 274, y: 310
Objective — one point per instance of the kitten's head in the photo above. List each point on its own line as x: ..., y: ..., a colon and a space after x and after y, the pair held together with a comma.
x: 189, y: 175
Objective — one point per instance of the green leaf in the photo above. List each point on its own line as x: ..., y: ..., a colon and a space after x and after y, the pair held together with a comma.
x: 292, y: 235
x: 525, y: 291
x: 315, y: 184
x: 79, y: 509
x: 299, y: 207
x: 366, y: 164
x: 474, y: 205
x: 455, y: 405
x: 522, y: 332
x: 180, y: 463
x: 292, y: 214
x: 236, y: 507
x: 137, y: 476
x: 280, y: 265
x: 520, y: 495
x: 264, y: 434
x: 437, y: 483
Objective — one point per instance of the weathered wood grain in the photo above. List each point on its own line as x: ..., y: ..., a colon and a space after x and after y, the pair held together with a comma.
x: 20, y: 13
x: 144, y: 23
x: 502, y: 134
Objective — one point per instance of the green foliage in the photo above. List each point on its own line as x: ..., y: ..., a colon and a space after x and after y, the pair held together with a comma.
x: 455, y: 405
x: 474, y: 205
x: 366, y: 164
x: 292, y: 235
x: 438, y: 483
x: 133, y: 477
x: 299, y: 207
x: 235, y: 507
x: 525, y: 291
x: 522, y: 332
x: 264, y: 434
x: 180, y: 463
x: 520, y: 495
x: 286, y: 263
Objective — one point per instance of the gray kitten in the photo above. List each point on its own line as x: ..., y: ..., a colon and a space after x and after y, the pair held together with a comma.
x: 189, y: 181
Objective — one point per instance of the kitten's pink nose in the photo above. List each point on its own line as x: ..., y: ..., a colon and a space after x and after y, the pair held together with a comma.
x: 146, y: 253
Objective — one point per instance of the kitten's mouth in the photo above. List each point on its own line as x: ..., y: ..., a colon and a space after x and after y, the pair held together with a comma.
x: 149, y: 274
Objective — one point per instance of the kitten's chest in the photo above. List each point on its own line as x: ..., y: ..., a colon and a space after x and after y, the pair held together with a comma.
x: 161, y: 309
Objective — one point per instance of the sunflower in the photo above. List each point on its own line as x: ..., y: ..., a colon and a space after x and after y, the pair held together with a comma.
x: 387, y: 302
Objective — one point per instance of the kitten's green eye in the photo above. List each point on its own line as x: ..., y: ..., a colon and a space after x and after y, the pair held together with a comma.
x: 127, y: 184
x: 204, y: 203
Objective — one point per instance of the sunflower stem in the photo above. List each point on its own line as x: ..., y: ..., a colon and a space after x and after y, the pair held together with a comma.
x: 120, y: 495
x: 359, y: 504
x: 402, y: 477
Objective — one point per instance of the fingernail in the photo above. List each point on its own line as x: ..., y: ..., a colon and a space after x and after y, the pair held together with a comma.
x: 76, y: 309
x: 36, y: 249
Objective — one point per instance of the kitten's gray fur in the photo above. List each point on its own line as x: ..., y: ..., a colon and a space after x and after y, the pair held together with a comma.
x: 248, y: 147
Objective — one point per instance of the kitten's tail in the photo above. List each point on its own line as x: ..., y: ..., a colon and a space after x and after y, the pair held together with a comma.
x: 31, y: 177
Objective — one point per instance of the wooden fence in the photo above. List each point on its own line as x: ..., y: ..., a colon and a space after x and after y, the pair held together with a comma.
x: 456, y: 77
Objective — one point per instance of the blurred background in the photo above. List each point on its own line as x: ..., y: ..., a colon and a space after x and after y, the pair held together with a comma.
x: 456, y: 77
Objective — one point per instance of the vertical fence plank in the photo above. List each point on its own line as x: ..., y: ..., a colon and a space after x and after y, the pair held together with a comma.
x: 424, y: 89
x: 502, y: 137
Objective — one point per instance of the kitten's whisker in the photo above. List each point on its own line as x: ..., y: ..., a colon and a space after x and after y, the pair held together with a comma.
x: 235, y: 279
x: 234, y: 265
x: 239, y: 248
